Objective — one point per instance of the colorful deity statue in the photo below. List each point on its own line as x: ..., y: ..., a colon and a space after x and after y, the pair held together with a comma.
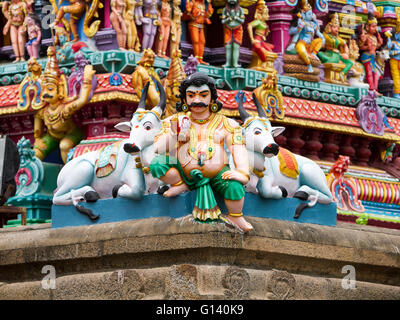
x: 29, y: 92
x: 176, y: 27
x: 176, y: 74
x: 34, y: 30
x: 196, y: 157
x: 76, y: 9
x: 164, y: 29
x: 132, y: 38
x: 356, y: 75
x: 232, y: 19
x: 145, y: 73
x: 148, y: 17
x: 369, y: 41
x: 15, y: 13
x: 118, y: 22
x: 336, y: 49
x: 57, y: 110
x: 394, y: 51
x: 258, y: 31
x: 199, y: 14
x: 304, y: 36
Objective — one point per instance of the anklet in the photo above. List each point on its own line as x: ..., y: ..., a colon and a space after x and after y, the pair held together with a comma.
x: 177, y: 184
x: 235, y: 214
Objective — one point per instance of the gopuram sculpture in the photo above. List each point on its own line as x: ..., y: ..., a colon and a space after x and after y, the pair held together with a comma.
x: 232, y: 19
x: 165, y: 28
x: 34, y: 30
x: 145, y: 73
x: 263, y: 56
x: 176, y: 27
x: 148, y: 17
x: 304, y: 45
x: 199, y: 14
x: 57, y: 110
x: 394, y: 51
x: 118, y: 22
x: 369, y: 40
x: 336, y: 55
x: 132, y: 38
x: 15, y: 13
x: 196, y: 157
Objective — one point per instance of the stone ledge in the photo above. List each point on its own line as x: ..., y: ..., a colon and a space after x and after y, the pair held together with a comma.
x: 310, y: 250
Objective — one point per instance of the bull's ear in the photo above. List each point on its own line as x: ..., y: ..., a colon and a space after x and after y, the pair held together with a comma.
x: 276, y: 131
x: 123, y: 126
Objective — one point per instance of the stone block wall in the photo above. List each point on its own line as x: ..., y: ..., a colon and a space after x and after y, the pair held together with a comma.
x: 165, y: 258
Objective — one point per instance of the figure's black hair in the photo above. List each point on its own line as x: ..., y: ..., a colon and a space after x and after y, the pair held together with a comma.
x: 36, y: 19
x: 198, y: 79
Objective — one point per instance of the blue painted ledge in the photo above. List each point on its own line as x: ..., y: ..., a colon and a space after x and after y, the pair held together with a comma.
x: 151, y: 206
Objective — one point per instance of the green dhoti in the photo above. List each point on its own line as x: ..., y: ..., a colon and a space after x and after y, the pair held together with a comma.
x: 335, y: 57
x: 205, y: 205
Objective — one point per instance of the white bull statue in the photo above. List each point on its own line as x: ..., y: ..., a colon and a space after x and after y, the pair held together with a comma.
x: 276, y: 172
x: 117, y: 170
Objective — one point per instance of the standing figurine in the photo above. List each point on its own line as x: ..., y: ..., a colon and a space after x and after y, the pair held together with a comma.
x: 118, y: 22
x: 196, y: 157
x: 232, y: 19
x: 369, y: 41
x: 57, y: 111
x: 164, y: 29
x: 148, y: 17
x: 258, y: 31
x: 394, y: 51
x: 33, y: 24
x: 304, y: 33
x: 198, y: 15
x: 76, y: 10
x: 15, y: 13
x: 144, y: 73
x: 132, y: 39
x: 336, y: 48
x: 356, y: 74
x: 176, y: 27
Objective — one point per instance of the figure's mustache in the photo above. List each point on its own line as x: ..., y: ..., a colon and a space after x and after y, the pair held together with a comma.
x: 46, y: 95
x: 198, y: 104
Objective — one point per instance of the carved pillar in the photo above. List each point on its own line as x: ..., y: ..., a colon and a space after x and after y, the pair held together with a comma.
x: 279, y: 22
x: 346, y: 148
x: 313, y: 145
x: 294, y: 141
x: 114, y: 116
x: 363, y: 152
x: 330, y: 147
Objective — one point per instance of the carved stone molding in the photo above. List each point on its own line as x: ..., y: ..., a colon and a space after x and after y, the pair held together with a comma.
x: 281, y: 285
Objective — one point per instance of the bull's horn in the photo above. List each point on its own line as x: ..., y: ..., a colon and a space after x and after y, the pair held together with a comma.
x: 242, y: 112
x: 163, y: 100
x: 142, y: 102
x: 260, y: 109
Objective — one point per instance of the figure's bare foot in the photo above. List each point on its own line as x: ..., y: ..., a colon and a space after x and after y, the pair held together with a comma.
x: 175, y: 190
x: 240, y: 223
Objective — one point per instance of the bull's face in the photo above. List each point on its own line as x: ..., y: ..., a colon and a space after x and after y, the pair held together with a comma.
x: 145, y: 124
x: 142, y: 129
x: 258, y: 132
x: 259, y: 135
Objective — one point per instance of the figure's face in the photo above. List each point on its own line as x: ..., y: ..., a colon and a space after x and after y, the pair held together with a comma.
x: 308, y: 15
x: 372, y: 28
x: 50, y: 93
x: 177, y: 2
x: 335, y: 30
x: 232, y: 2
x: 34, y: 67
x: 198, y: 98
x: 29, y: 21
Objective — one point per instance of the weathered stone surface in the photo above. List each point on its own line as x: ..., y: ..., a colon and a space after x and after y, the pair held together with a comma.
x: 164, y: 258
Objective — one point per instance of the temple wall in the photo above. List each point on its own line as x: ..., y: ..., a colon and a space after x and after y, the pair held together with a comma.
x: 163, y: 258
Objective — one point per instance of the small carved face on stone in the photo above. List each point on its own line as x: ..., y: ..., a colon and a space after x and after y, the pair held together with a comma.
x: 50, y: 93
x: 371, y: 28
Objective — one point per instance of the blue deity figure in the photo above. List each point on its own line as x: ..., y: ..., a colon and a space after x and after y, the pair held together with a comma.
x: 303, y: 36
x: 394, y: 52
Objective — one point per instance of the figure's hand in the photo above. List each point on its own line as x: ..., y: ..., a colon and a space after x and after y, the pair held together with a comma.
x: 89, y: 72
x: 235, y: 175
x: 345, y: 56
x: 146, y: 20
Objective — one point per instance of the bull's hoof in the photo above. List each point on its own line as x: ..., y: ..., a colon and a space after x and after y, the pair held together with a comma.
x: 115, y: 190
x: 301, y: 195
x: 299, y: 210
x: 91, y: 196
x: 162, y: 189
x: 284, y: 192
x: 87, y: 212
